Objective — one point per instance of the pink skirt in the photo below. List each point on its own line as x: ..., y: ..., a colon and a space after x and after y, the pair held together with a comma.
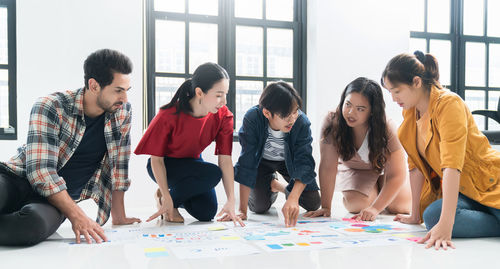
x: 363, y: 181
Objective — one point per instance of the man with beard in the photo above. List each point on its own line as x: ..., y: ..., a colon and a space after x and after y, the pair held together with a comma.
x: 78, y: 147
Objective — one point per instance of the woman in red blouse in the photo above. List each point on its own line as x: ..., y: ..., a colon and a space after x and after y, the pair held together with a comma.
x: 175, y: 139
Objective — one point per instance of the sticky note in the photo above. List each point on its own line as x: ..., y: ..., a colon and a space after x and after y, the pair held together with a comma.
x: 154, y: 249
x: 414, y: 239
x: 404, y: 235
x: 217, y: 228
x: 155, y: 252
x: 230, y: 238
x: 274, y: 246
x: 354, y: 230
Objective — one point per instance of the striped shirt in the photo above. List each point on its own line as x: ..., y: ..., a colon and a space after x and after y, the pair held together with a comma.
x: 274, y: 148
x: 56, y: 127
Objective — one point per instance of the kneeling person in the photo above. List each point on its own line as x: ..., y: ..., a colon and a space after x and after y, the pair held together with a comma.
x: 276, y: 137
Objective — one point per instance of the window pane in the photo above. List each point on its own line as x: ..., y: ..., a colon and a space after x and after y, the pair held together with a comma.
x: 280, y: 53
x: 279, y: 10
x: 417, y: 16
x: 441, y: 49
x: 493, y: 18
x: 165, y: 90
x: 170, y: 46
x: 475, y: 101
x: 4, y: 99
x: 417, y: 44
x: 170, y: 5
x: 202, y: 44
x: 438, y: 16
x: 248, y: 9
x: 204, y: 7
x: 473, y: 17
x: 276, y: 80
x: 249, y: 51
x: 492, y: 105
x: 494, y: 68
x: 474, y: 64
x: 3, y: 36
x: 247, y: 96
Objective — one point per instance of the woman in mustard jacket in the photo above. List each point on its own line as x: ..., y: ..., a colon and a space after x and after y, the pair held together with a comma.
x: 454, y: 172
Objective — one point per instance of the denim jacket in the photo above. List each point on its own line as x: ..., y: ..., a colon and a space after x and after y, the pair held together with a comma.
x: 298, y: 150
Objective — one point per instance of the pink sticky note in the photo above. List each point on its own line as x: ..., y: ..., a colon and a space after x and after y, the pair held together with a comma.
x: 414, y: 239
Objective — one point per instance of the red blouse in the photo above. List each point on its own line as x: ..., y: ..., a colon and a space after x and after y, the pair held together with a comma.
x: 183, y: 136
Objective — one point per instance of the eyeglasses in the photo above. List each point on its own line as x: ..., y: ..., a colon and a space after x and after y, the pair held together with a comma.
x: 291, y: 117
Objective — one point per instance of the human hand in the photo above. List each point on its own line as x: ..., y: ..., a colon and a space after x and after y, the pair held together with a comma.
x: 439, y: 236
x: 83, y: 225
x: 228, y: 214
x: 322, y: 212
x: 290, y: 212
x: 369, y: 214
x: 167, y: 209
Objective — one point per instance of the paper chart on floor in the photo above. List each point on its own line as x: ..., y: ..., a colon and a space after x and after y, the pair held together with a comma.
x: 219, y: 249
x: 224, y: 239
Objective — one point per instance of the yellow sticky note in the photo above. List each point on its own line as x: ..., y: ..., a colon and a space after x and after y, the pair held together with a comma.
x: 217, y: 228
x: 230, y: 238
x: 404, y: 235
x: 147, y: 250
x: 303, y: 244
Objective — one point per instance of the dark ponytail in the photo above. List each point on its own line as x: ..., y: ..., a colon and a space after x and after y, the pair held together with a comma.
x: 204, y: 77
x: 181, y: 97
x: 404, y: 67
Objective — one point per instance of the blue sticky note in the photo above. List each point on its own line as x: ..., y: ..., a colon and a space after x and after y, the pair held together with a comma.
x: 325, y: 235
x: 255, y: 237
x: 274, y: 246
x: 337, y: 225
x: 156, y: 254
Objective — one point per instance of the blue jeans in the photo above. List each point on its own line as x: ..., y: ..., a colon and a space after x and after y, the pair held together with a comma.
x: 192, y: 183
x: 472, y: 219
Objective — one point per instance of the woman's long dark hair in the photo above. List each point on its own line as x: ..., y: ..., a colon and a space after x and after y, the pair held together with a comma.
x: 343, y: 135
x: 204, y: 77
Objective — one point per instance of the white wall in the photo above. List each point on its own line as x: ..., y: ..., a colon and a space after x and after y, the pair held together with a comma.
x: 54, y: 37
x: 346, y: 39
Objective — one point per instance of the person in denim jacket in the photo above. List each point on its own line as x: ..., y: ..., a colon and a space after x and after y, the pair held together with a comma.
x: 276, y: 137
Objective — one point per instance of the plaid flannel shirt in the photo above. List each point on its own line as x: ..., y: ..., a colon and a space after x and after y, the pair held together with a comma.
x: 56, y: 127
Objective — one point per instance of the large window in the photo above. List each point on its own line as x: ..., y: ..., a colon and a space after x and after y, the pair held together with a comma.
x: 464, y: 35
x: 8, y: 120
x: 256, y: 41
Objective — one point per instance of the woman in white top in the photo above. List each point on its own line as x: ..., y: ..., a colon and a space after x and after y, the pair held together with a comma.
x: 361, y: 150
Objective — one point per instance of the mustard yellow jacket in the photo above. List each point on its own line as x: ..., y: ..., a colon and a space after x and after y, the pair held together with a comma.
x: 453, y: 141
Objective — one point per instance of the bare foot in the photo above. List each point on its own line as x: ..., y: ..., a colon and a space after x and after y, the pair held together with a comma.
x: 177, y: 217
x: 276, y: 186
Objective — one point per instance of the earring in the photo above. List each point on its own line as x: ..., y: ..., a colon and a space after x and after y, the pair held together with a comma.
x: 199, y: 102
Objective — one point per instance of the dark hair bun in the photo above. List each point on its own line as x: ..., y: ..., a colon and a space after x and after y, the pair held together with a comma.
x: 420, y: 56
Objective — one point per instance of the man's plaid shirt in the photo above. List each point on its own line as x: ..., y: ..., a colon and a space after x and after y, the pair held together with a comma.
x: 56, y: 127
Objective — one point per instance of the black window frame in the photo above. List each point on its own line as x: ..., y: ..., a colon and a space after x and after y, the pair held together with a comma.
x: 227, y: 23
x: 11, y: 133
x: 458, y: 50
